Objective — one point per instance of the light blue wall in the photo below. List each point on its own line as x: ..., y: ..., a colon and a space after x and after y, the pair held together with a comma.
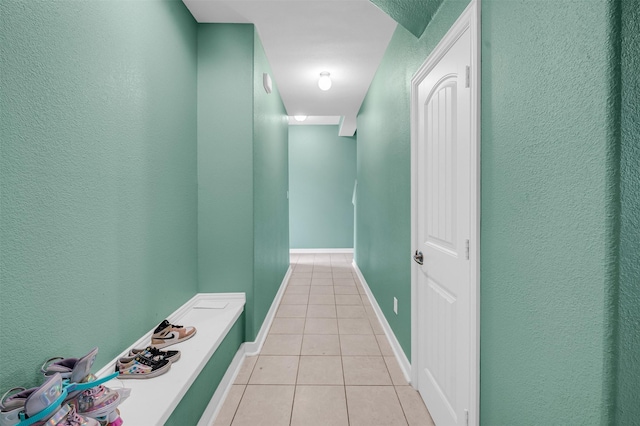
x: 322, y: 176
x: 98, y: 219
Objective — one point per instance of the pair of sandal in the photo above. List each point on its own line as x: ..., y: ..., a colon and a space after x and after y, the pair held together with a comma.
x: 70, y: 396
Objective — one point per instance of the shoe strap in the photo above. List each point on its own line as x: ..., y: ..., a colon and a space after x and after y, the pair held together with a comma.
x: 146, y: 361
x: 152, y: 352
x: 73, y: 387
x: 58, y: 416
x: 155, y: 351
x: 44, y: 413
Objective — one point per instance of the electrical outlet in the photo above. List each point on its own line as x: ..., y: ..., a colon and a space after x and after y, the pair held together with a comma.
x: 395, y: 305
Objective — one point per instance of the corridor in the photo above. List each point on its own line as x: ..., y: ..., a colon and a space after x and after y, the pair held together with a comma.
x: 326, y: 359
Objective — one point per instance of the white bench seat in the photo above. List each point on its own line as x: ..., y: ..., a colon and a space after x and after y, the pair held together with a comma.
x: 153, y: 400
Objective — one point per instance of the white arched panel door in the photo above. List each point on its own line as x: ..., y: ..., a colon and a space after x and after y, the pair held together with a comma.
x: 443, y: 203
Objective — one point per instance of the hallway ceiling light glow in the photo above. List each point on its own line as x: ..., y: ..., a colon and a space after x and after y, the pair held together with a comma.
x: 325, y: 81
x: 300, y: 117
x: 301, y: 38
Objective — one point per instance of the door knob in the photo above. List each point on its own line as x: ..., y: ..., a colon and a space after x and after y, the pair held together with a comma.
x: 418, y: 257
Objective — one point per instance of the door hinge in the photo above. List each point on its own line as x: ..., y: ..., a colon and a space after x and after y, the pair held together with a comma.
x: 466, y: 412
x: 467, y: 79
x: 466, y: 249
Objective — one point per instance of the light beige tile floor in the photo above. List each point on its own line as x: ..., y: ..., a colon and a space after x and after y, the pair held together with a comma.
x: 326, y: 360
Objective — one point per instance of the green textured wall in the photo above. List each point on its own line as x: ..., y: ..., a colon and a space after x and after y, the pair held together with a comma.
x: 98, y: 225
x: 270, y: 183
x: 242, y: 171
x: 322, y: 174
x: 225, y: 166
x: 413, y: 15
x: 548, y: 206
x: 628, y: 408
x: 195, y: 401
x: 383, y: 234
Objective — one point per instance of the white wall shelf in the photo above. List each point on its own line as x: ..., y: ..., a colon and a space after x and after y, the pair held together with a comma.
x: 153, y: 400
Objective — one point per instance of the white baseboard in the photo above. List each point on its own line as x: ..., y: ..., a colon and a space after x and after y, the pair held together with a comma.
x: 213, y: 408
x: 246, y: 349
x: 322, y: 251
x: 253, y: 348
x: 405, y: 365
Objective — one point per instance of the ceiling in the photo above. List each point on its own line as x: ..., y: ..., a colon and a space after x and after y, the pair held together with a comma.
x: 303, y: 38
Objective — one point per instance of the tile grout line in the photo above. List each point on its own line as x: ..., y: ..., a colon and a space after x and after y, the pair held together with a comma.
x: 295, y: 382
x: 235, y: 412
x: 344, y: 381
x: 401, y: 406
x: 341, y: 355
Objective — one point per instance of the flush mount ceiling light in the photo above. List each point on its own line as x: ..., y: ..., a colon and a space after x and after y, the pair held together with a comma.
x: 300, y: 117
x: 325, y: 81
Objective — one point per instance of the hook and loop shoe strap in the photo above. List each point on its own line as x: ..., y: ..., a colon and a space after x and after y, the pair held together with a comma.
x: 58, y: 416
x: 53, y: 405
x: 77, y: 387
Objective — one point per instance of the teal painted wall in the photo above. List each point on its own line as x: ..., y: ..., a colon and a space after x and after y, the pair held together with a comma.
x: 117, y: 176
x: 195, y: 401
x: 383, y: 234
x: 628, y: 409
x: 270, y: 183
x: 413, y: 15
x: 225, y: 160
x: 549, y: 204
x: 322, y: 175
x: 242, y: 171
x: 98, y: 224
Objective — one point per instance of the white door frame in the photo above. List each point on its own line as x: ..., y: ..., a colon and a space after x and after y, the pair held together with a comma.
x: 470, y: 19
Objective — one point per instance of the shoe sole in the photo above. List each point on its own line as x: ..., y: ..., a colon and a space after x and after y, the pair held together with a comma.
x: 155, y: 373
x: 176, y: 357
x: 173, y: 342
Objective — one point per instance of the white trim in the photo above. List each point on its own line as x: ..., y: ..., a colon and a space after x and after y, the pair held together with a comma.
x: 470, y: 18
x: 246, y: 349
x: 224, y: 387
x: 253, y: 348
x: 474, y: 248
x: 405, y: 365
x: 322, y: 251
